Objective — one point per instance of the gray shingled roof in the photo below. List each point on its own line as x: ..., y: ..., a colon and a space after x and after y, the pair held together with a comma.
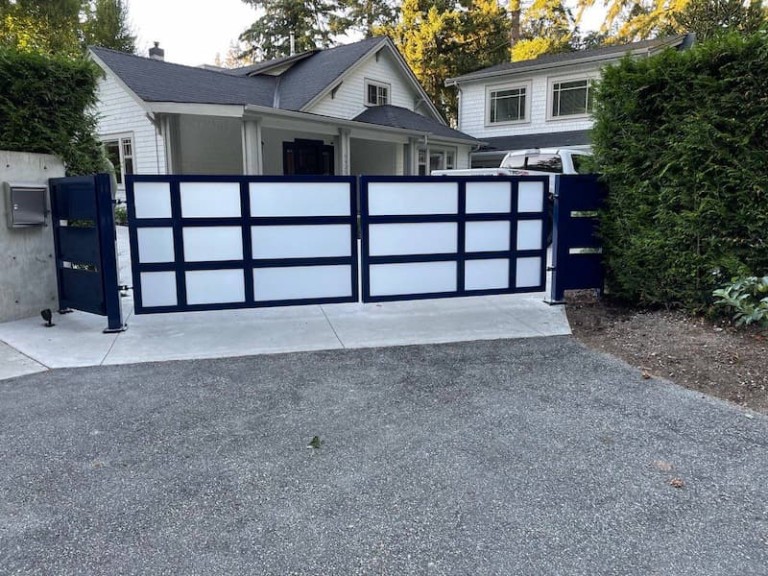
x: 158, y: 81
x: 396, y: 117
x: 309, y: 77
x: 566, y: 57
x: 543, y: 140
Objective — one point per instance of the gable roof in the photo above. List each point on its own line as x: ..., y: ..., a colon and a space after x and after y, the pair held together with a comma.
x: 576, y: 57
x: 311, y: 76
x: 158, y: 81
x: 397, y: 117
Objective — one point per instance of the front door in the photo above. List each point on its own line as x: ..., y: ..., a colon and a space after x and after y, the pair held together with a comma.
x: 310, y: 157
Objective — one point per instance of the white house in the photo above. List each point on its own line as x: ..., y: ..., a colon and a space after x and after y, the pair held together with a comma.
x: 353, y: 109
x: 544, y: 102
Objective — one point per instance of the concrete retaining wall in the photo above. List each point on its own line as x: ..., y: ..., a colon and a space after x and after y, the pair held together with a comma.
x: 27, y: 262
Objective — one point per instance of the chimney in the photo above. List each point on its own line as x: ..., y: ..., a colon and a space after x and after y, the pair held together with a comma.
x: 157, y: 53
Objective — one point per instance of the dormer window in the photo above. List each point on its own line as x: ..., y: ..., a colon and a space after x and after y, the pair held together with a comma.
x: 376, y: 93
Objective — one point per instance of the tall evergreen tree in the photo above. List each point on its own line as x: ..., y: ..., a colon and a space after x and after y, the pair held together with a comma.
x: 547, y: 27
x: 269, y: 37
x: 633, y: 20
x: 107, y: 26
x: 709, y: 18
x: 51, y: 27
x: 363, y: 16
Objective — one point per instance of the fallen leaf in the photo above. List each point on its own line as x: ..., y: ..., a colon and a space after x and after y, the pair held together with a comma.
x: 677, y: 483
x: 646, y: 374
x: 663, y: 465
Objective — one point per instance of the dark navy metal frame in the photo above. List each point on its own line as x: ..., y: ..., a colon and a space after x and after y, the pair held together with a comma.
x: 245, y: 221
x: 86, y: 257
x: 577, y: 260
x: 461, y: 217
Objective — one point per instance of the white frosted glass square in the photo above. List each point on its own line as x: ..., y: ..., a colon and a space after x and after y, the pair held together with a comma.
x: 489, y: 197
x: 210, y: 199
x: 486, y: 236
x: 152, y: 199
x: 486, y: 274
x: 412, y: 278
x: 302, y: 282
x: 215, y: 286
x: 399, y: 198
x: 529, y: 235
x: 528, y: 272
x: 398, y: 239
x: 321, y: 241
x: 155, y: 245
x: 158, y: 289
x: 214, y: 243
x: 530, y: 197
x: 300, y: 199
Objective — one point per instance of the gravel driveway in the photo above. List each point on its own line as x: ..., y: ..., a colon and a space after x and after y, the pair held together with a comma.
x: 526, y: 457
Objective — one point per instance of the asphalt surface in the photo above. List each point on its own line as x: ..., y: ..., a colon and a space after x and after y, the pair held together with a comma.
x: 530, y: 457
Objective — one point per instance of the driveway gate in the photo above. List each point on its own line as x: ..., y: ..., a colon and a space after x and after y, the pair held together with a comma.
x: 84, y: 238
x: 217, y: 242
x: 440, y: 237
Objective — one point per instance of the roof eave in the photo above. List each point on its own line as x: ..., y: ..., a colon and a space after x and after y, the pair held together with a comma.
x: 676, y: 41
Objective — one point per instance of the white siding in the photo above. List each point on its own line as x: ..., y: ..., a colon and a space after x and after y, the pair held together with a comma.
x: 473, y: 114
x: 349, y: 99
x: 119, y: 113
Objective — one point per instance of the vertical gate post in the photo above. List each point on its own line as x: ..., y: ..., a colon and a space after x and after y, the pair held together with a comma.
x: 107, y: 246
x: 576, y: 250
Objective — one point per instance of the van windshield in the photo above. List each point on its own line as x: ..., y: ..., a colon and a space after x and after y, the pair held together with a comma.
x: 516, y: 161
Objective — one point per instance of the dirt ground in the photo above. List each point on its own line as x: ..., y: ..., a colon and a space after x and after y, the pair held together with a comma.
x: 712, y: 358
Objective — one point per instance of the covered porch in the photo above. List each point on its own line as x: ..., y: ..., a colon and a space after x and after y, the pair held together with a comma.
x: 225, y: 141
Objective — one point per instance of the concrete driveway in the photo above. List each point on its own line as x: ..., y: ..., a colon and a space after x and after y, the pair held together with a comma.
x: 504, y: 457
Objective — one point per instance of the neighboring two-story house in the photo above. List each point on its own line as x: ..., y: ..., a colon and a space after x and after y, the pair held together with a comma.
x: 540, y: 103
x: 353, y: 109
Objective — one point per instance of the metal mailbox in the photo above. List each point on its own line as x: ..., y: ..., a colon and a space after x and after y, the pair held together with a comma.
x: 26, y: 204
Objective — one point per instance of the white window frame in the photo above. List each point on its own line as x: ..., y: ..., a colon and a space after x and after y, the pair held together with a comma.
x: 588, y: 78
x: 448, y: 158
x: 386, y: 86
x: 121, y: 139
x: 489, y: 90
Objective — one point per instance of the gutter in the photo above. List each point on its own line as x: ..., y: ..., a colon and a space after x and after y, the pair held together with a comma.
x: 567, y: 63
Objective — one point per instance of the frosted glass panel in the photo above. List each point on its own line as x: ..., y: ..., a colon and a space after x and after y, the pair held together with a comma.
x: 530, y: 197
x: 158, y: 289
x: 299, y: 282
x: 152, y: 199
x: 416, y: 278
x: 213, y: 243
x: 396, y: 239
x: 529, y: 235
x: 300, y: 198
x: 301, y: 241
x: 215, y: 286
x: 487, y: 236
x: 155, y: 245
x: 390, y: 198
x: 489, y: 197
x: 210, y: 199
x: 528, y: 272
x: 486, y: 274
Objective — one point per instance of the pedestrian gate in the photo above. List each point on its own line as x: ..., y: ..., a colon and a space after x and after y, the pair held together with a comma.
x: 84, y: 240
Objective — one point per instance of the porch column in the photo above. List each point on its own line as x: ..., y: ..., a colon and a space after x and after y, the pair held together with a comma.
x: 345, y: 162
x: 253, y: 159
x: 168, y: 130
x: 411, y: 167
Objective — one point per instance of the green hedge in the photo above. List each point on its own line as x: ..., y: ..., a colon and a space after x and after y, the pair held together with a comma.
x: 46, y: 106
x: 682, y: 139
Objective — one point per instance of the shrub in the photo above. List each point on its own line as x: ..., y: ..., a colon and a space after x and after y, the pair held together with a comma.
x: 45, y: 107
x: 680, y: 138
x: 747, y: 298
x: 121, y: 216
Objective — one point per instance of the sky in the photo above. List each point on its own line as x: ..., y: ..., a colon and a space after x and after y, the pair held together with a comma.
x: 190, y: 31
x: 193, y: 32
